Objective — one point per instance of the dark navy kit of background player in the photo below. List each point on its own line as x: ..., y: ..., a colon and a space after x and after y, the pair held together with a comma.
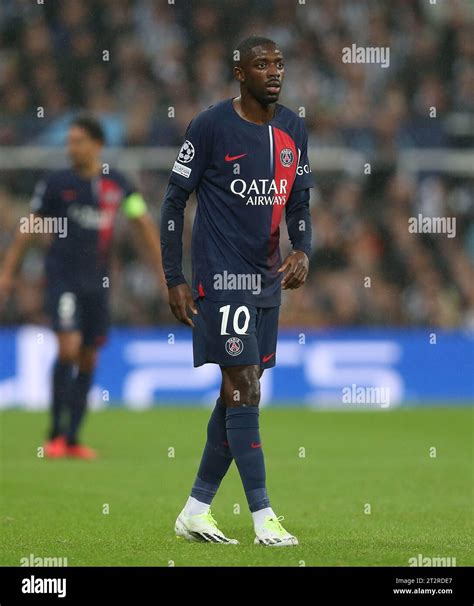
x: 77, y: 265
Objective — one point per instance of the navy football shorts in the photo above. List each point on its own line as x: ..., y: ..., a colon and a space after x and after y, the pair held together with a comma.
x: 234, y: 334
x: 85, y: 311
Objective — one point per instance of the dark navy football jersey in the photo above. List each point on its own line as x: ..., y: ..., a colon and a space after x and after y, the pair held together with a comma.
x: 81, y: 259
x: 243, y: 174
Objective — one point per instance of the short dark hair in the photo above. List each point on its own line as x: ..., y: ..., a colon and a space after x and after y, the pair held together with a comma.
x: 245, y: 47
x: 91, y: 125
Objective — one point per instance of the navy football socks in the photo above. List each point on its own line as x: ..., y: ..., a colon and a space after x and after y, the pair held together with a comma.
x: 244, y: 440
x: 80, y: 389
x: 62, y: 383
x: 216, y: 458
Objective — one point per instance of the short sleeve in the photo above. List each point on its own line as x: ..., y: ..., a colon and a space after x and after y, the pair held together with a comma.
x: 127, y: 185
x: 304, y: 177
x: 43, y: 200
x: 193, y: 157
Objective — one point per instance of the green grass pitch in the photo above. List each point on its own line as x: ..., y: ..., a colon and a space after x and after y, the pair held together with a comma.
x: 419, y: 504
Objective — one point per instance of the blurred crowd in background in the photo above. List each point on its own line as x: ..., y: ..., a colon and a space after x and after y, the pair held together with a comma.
x: 130, y: 61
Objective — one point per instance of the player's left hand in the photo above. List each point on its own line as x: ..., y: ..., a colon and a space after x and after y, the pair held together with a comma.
x: 296, y: 266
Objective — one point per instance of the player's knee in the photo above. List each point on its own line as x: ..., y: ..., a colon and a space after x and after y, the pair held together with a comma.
x: 67, y: 359
x: 247, y: 388
x: 254, y: 395
x: 86, y: 367
x: 69, y: 347
x: 87, y: 361
x: 68, y: 355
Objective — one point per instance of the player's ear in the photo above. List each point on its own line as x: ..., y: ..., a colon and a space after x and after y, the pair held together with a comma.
x: 239, y: 74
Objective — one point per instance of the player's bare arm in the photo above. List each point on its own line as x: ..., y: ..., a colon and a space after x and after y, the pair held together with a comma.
x: 13, y: 258
x: 147, y: 232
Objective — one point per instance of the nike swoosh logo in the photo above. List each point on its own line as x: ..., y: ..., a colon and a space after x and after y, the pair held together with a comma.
x: 254, y: 445
x: 266, y: 358
x: 231, y: 158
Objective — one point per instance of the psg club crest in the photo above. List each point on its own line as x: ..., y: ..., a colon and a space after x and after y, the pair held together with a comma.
x: 186, y: 153
x: 234, y: 346
x: 287, y: 157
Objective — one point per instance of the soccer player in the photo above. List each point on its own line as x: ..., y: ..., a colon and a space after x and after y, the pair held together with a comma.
x: 86, y: 198
x: 246, y: 157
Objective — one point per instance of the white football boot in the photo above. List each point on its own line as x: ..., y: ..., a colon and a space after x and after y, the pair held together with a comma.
x: 201, y: 528
x: 272, y: 534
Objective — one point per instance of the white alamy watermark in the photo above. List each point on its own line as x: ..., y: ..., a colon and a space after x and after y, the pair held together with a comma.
x: 357, y: 394
x: 420, y: 560
x: 366, y: 54
x: 33, y: 584
x: 230, y: 281
x: 32, y: 560
x: 432, y: 225
x: 34, y: 224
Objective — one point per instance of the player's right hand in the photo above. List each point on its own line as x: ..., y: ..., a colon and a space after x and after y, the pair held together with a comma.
x: 180, y: 298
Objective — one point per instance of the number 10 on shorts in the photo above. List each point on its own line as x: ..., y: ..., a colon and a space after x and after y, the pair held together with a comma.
x: 236, y: 321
